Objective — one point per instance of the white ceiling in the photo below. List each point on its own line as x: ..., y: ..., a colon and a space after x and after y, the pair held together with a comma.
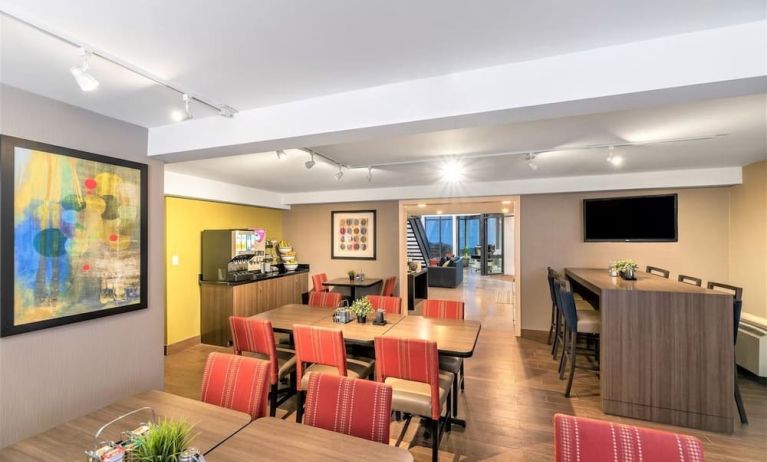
x: 251, y: 54
x: 743, y: 119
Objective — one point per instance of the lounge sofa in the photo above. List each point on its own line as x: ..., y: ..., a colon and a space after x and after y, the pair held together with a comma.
x: 449, y: 276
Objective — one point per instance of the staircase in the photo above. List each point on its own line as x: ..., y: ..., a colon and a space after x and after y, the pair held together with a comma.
x: 417, y: 244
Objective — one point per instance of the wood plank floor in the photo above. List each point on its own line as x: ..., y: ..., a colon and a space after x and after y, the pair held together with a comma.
x: 512, y: 392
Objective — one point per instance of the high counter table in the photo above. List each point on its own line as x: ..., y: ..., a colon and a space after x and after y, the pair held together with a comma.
x: 666, y: 349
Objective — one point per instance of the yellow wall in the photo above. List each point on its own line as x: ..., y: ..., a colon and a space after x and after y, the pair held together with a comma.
x: 184, y: 220
x: 748, y: 238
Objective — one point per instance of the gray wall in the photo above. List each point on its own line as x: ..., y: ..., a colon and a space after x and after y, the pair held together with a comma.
x: 52, y: 375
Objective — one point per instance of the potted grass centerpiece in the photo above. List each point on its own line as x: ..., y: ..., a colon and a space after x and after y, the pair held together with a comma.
x: 165, y: 441
x: 361, y: 308
x: 351, y: 274
x: 626, y: 268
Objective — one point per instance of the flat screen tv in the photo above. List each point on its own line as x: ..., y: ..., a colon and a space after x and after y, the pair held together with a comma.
x: 630, y: 219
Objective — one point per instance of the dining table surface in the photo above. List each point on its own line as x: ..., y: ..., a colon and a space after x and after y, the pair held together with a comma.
x: 353, y: 284
x: 454, y: 337
x: 70, y: 440
x: 271, y: 438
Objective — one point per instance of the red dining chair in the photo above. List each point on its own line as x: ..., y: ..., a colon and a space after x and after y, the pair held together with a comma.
x: 324, y: 299
x: 388, y: 286
x: 411, y: 367
x: 448, y: 309
x: 581, y: 439
x: 323, y: 351
x: 317, y: 281
x: 443, y: 309
x: 256, y: 336
x: 391, y: 305
x: 236, y: 382
x: 354, y: 407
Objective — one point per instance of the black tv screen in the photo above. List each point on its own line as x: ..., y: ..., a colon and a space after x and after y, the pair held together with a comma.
x: 626, y: 219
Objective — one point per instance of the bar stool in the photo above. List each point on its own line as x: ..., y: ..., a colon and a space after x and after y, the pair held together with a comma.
x: 658, y: 271
x: 576, y: 323
x: 737, y: 307
x: 693, y: 281
x: 558, y: 324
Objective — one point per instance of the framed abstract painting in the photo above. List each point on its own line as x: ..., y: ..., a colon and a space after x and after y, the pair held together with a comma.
x: 74, y: 236
x: 353, y: 235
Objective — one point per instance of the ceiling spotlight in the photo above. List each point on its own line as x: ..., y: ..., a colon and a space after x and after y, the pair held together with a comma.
x: 506, y: 202
x: 227, y: 111
x: 530, y: 158
x: 439, y: 212
x: 612, y: 158
x: 84, y: 79
x: 452, y: 171
x: 370, y: 174
x: 186, y: 114
x: 280, y: 154
x: 421, y: 206
x: 310, y: 163
x: 505, y: 210
x: 340, y: 173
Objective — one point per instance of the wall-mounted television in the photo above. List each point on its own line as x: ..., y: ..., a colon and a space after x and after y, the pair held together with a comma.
x: 631, y: 219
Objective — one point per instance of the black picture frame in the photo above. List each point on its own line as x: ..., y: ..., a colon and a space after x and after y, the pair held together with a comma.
x: 8, y: 326
x: 336, y: 254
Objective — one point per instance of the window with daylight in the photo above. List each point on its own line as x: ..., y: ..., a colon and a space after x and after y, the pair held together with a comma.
x: 439, y: 232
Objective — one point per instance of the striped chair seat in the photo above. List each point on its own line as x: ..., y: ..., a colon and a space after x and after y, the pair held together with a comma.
x: 582, y: 439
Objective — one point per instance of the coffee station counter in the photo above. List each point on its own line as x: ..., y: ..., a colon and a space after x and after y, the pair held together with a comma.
x: 282, y: 272
x: 221, y: 299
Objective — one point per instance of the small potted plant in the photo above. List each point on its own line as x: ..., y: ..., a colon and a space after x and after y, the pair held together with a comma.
x: 165, y: 441
x: 361, y: 308
x: 626, y: 268
x: 351, y: 274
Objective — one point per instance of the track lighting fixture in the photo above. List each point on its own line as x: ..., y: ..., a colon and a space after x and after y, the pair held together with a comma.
x: 227, y: 111
x: 310, y: 163
x: 530, y: 158
x: 84, y: 79
x: 370, y: 174
x: 280, y: 154
x: 186, y: 114
x: 340, y: 173
x: 613, y: 158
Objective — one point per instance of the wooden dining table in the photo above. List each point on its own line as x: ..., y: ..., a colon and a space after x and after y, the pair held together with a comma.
x: 271, y: 439
x: 70, y: 440
x: 353, y: 284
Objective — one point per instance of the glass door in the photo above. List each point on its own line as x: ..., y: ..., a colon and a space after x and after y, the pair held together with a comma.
x: 492, y: 244
x: 469, y: 241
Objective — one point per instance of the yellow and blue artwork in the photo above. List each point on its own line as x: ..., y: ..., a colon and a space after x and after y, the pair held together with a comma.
x: 78, y: 236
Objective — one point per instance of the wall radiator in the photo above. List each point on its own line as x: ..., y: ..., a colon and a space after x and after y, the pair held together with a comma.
x: 751, y: 350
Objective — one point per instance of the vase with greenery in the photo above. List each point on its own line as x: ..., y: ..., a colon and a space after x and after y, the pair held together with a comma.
x: 361, y: 308
x: 351, y: 274
x: 163, y: 442
x: 626, y: 268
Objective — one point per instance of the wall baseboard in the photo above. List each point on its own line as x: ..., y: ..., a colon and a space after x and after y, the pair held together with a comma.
x: 182, y: 345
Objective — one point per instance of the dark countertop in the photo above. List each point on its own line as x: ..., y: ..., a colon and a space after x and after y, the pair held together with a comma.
x: 262, y: 276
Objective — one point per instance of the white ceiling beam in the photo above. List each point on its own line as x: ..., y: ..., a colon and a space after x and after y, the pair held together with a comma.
x: 692, y: 178
x: 193, y: 187
x: 598, y: 80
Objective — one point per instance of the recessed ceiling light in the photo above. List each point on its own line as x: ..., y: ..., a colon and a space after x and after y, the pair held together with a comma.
x: 452, y: 171
x: 421, y: 206
x: 505, y: 202
x: 613, y: 158
x: 505, y: 210
x: 439, y: 212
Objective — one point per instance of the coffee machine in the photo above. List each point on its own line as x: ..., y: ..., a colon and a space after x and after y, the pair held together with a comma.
x: 232, y: 254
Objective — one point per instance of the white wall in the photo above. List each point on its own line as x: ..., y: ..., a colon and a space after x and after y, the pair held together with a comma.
x: 53, y: 375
